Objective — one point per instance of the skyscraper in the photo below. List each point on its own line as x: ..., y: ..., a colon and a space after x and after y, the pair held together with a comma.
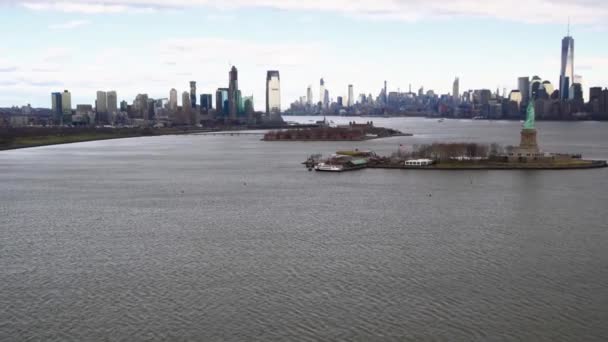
x: 206, y: 102
x: 101, y: 108
x: 66, y: 102
x: 101, y: 105
x: 322, y: 92
x: 273, y: 92
x: 233, y: 88
x: 595, y: 94
x: 326, y: 99
x: 567, y: 70
x: 186, y: 104
x: 140, y: 105
x: 523, y: 85
x: 240, y: 105
x: 385, y: 94
x: 351, y: 96
x: 309, y: 96
x: 456, y: 90
x: 548, y: 87
x: 221, y: 102
x: 193, y: 93
x: 515, y: 96
x: 576, y: 93
x: 535, y: 87
x: 57, y: 107
x: 173, y: 100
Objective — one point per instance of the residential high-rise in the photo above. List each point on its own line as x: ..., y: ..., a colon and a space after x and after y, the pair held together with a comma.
x: 567, y: 69
x: 112, y: 102
x: 173, y: 100
x: 66, y: 102
x: 351, y: 96
x: 326, y: 99
x: 309, y: 96
x: 273, y: 92
x: 193, y: 94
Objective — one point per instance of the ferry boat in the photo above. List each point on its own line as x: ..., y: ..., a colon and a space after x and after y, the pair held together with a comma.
x: 341, y: 164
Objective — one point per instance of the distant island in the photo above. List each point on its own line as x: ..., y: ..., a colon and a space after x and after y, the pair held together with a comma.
x: 353, y: 132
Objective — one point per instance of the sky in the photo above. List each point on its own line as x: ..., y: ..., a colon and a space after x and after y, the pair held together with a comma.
x: 151, y: 46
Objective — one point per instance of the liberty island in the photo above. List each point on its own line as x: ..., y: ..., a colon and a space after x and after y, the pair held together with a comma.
x: 462, y: 156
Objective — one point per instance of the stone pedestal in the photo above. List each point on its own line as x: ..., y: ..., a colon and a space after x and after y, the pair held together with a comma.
x: 528, y: 141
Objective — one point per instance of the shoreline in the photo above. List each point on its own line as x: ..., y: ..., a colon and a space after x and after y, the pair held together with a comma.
x: 30, y: 137
x: 64, y: 137
x: 583, y: 164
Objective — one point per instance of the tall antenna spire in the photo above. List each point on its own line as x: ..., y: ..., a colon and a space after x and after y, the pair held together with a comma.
x: 568, y: 26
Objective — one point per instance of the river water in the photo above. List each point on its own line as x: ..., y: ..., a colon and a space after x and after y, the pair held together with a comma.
x: 212, y: 238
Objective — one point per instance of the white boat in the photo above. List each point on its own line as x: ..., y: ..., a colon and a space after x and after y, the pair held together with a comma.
x: 329, y: 167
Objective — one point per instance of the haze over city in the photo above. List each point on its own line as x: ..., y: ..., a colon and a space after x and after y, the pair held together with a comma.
x: 150, y: 46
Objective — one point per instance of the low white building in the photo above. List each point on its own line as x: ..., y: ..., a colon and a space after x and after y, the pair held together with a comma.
x: 419, y: 162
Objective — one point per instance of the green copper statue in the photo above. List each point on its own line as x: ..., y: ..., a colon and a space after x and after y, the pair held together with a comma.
x: 530, y: 117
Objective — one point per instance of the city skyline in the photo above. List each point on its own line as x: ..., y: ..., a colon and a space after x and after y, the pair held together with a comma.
x: 152, y: 59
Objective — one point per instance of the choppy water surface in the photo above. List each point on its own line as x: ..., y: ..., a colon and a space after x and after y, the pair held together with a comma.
x: 230, y: 238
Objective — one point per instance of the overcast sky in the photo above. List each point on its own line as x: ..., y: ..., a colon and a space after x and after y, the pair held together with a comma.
x: 151, y: 46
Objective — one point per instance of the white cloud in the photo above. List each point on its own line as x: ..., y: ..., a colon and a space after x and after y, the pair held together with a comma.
x: 533, y: 11
x: 69, y: 25
x: 7, y: 66
x: 89, y: 7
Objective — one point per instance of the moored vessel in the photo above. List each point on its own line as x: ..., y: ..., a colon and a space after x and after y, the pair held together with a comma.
x: 341, y: 163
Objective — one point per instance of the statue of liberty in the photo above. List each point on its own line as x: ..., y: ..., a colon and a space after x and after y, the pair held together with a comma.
x: 528, y: 143
x: 530, y: 117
